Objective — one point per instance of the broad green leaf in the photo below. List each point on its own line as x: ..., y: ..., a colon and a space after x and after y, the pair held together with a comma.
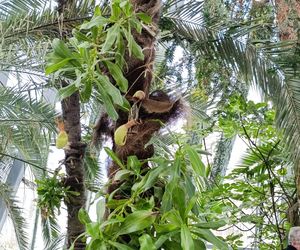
x: 136, y: 49
x: 144, y: 17
x: 61, y: 49
x: 111, y: 89
x: 187, y: 242
x: 96, y: 21
x: 54, y: 67
x: 112, y: 34
x: 179, y: 199
x: 148, y: 180
x: 137, y: 221
x: 173, y: 217
x: 115, y: 11
x: 196, y: 162
x: 211, y: 225
x: 114, y: 157
x: 93, y: 229
x: 126, y: 7
x: 199, y: 245
x: 67, y: 91
x: 133, y: 47
x: 119, y: 56
x: 120, y: 246
x: 83, y: 216
x: 146, y: 242
x: 136, y: 24
x: 166, y: 228
x: 111, y: 111
x: 117, y: 74
x: 190, y: 205
x: 80, y: 36
x: 96, y: 244
x: 161, y: 240
x: 113, y: 203
x: 85, y: 94
x: 134, y: 163
x: 100, y: 210
x: 206, y: 234
x: 122, y: 174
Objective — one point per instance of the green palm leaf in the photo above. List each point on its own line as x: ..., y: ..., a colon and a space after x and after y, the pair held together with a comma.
x: 264, y: 67
x: 25, y: 128
x: 15, y: 213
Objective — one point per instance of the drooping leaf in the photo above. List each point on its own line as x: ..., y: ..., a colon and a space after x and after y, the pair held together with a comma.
x: 137, y: 221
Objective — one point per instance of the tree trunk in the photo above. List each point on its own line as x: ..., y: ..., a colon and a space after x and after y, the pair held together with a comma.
x: 74, y: 154
x: 288, y: 13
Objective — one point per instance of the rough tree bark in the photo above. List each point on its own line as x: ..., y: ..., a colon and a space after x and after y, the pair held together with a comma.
x: 139, y: 74
x: 74, y: 154
x: 154, y: 109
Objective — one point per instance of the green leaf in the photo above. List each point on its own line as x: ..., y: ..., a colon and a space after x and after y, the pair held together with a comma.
x: 146, y: 242
x: 96, y: 21
x: 136, y: 50
x: 60, y: 49
x: 206, y: 234
x: 199, y: 245
x: 126, y: 7
x: 122, y: 174
x: 196, y: 162
x: 117, y: 74
x: 179, y: 200
x: 56, y: 66
x: 144, y: 17
x: 93, y: 229
x: 148, y: 180
x: 165, y: 228
x: 120, y: 246
x: 95, y: 244
x: 133, y: 47
x: 67, y: 91
x: 111, y: 89
x: 112, y: 34
x: 211, y: 225
x: 114, y: 157
x: 83, y: 216
x: 173, y: 217
x: 134, y: 163
x: 111, y: 111
x: 100, y: 210
x: 80, y: 36
x: 161, y: 240
x: 85, y: 94
x: 137, y: 221
x: 187, y: 242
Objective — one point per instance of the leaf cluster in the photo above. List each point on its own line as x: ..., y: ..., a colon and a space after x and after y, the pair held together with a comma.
x: 51, y: 192
x: 97, y: 48
x: 161, y: 210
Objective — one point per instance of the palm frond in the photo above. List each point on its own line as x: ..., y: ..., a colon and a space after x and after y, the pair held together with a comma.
x: 57, y: 243
x: 15, y: 213
x: 263, y: 67
x: 50, y: 230
x: 26, y: 125
x: 9, y: 8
